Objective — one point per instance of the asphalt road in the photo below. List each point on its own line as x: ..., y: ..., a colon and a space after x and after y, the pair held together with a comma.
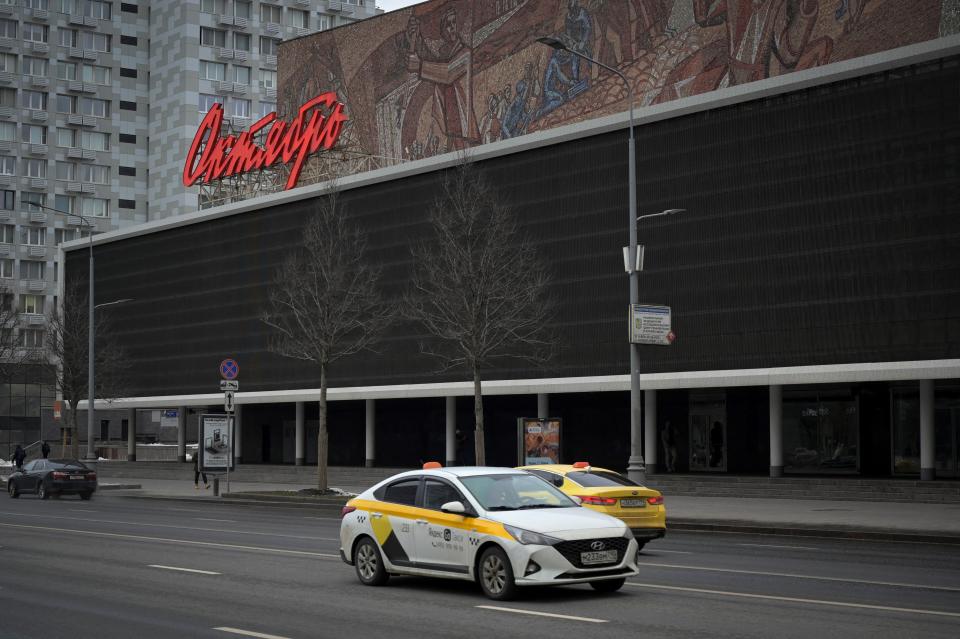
x: 114, y: 567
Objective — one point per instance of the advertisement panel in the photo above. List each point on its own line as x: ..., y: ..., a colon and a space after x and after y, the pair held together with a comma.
x: 215, y: 443
x: 538, y: 441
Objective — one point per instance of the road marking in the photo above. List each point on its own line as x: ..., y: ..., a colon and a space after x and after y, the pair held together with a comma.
x: 819, y: 602
x: 183, y: 510
x: 226, y: 521
x: 543, y: 614
x: 199, y: 572
x: 672, y: 552
x: 147, y: 525
x: 897, y: 584
x: 777, y: 546
x: 248, y: 633
x: 83, y: 510
x: 186, y: 542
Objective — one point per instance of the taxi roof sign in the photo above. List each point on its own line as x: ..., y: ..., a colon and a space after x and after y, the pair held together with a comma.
x: 581, y: 464
x: 431, y: 465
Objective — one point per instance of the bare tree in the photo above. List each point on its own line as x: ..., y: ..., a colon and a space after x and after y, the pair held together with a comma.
x: 325, y: 303
x: 65, y: 352
x: 478, y: 286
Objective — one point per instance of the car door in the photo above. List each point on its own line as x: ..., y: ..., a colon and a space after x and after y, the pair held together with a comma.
x: 34, y: 474
x: 392, y: 521
x: 441, y: 537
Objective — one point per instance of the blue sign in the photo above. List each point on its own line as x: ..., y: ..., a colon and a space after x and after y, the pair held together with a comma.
x: 229, y: 369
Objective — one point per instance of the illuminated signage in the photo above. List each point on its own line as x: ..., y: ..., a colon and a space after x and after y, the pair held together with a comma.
x: 212, y: 157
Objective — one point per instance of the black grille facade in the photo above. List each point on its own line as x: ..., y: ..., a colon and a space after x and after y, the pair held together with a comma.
x: 821, y: 228
x: 571, y: 550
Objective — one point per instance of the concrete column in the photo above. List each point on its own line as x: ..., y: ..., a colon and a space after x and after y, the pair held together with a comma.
x: 451, y: 437
x: 928, y: 467
x: 650, y: 430
x: 131, y: 434
x: 237, y: 434
x: 543, y: 405
x: 370, y: 412
x: 181, y: 434
x: 301, y: 454
x: 776, y: 431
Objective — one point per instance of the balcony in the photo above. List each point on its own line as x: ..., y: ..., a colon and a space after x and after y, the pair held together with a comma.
x: 6, y: 9
x: 270, y: 94
x: 7, y: 43
x: 38, y: 183
x: 7, y: 112
x: 269, y: 60
x: 6, y: 180
x: 73, y: 220
x: 39, y: 116
x: 241, y: 55
x: 225, y: 19
x: 334, y: 5
x: 38, y: 149
x: 225, y: 86
x: 5, y: 216
x: 38, y: 217
x: 36, y: 286
x: 37, y: 251
x: 6, y: 249
x: 6, y: 146
x: 39, y: 81
x: 78, y: 86
x: 304, y: 3
x: 301, y: 31
x: 240, y: 88
x: 36, y: 47
x: 225, y: 54
x: 7, y: 77
x: 240, y: 23
x: 271, y: 27
x: 76, y: 119
x: 84, y: 21
x: 34, y: 319
x: 82, y: 54
x: 39, y: 14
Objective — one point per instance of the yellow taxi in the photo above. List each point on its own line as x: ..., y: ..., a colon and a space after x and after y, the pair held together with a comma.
x: 609, y: 492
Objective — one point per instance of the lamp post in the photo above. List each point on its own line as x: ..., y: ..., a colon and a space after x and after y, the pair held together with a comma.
x: 635, y: 468
x: 90, y: 306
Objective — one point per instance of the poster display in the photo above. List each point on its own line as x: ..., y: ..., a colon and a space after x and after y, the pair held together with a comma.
x: 216, y: 443
x: 538, y: 441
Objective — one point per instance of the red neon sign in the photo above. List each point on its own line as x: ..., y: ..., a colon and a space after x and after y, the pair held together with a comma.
x: 285, y: 142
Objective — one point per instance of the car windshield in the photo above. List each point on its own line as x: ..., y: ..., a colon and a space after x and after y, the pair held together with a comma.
x: 66, y: 463
x: 514, y: 491
x: 600, y: 479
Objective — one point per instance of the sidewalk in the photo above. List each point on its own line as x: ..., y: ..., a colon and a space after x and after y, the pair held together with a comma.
x: 939, y: 523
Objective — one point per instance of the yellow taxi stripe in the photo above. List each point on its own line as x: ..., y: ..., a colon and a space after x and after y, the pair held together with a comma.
x: 449, y: 520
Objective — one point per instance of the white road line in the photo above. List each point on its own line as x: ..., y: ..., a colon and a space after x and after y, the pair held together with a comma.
x: 226, y: 521
x: 184, y: 510
x: 186, y: 542
x: 818, y: 602
x: 83, y: 510
x: 870, y: 582
x: 776, y: 546
x: 543, y: 614
x: 199, y: 572
x: 654, y: 551
x: 148, y: 525
x: 248, y: 633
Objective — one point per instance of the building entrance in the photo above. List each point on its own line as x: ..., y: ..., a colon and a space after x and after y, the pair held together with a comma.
x: 708, y: 433
x: 947, y: 434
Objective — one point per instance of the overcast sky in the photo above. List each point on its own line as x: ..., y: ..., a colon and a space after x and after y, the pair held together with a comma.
x: 390, y: 5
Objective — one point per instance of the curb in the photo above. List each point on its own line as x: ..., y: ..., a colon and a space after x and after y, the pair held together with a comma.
x: 298, y: 502
x: 801, y: 530
x: 118, y: 487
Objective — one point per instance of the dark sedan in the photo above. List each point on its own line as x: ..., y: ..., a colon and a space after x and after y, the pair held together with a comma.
x: 47, y: 477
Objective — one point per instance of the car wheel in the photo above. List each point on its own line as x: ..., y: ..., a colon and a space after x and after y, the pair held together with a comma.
x: 369, y: 563
x: 42, y: 491
x: 12, y: 489
x: 496, y: 575
x: 86, y: 496
x: 608, y: 585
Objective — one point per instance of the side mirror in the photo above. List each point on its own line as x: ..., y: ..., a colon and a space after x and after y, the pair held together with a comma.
x: 576, y: 499
x: 454, y: 508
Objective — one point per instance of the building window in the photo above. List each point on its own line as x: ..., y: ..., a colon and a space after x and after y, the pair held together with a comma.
x: 34, y: 66
x: 35, y: 4
x: 8, y: 97
x: 129, y: 8
x: 8, y: 28
x: 67, y: 235
x: 95, y: 141
x: 270, y: 13
x: 128, y: 73
x: 241, y: 41
x: 66, y: 103
x: 211, y: 6
x: 32, y: 134
x: 212, y: 70
x: 94, y: 207
x: 266, y: 108
x: 8, y: 63
x: 242, y: 8
x: 126, y: 105
x: 241, y: 75
x: 96, y: 108
x: 93, y: 173
x: 297, y: 18
x: 66, y: 70
x: 34, y: 32
x: 268, y: 46
x: 6, y: 233
x: 33, y: 202
x: 31, y: 338
x: 35, y: 168
x: 268, y: 79
x: 8, y: 165
x: 8, y: 131
x: 64, y: 203
x: 326, y: 22
x: 6, y: 268
x: 239, y: 108
x: 96, y: 74
x: 128, y: 171
x: 65, y: 171
x: 127, y: 204
x: 33, y: 236
x: 97, y: 9
x: 66, y: 137
x: 207, y: 101
x: 36, y: 100
x: 128, y: 138
x: 31, y: 269
x: 131, y: 40
x: 213, y: 37
x: 8, y: 200
x: 32, y: 304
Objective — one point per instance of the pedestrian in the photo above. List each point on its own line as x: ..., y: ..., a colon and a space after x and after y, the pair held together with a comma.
x: 197, y: 473
x: 18, y: 456
x: 45, y: 449
x: 668, y: 437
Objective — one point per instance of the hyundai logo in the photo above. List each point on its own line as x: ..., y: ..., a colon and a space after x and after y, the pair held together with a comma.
x: 598, y: 545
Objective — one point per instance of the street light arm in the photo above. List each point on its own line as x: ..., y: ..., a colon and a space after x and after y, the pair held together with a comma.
x: 667, y: 212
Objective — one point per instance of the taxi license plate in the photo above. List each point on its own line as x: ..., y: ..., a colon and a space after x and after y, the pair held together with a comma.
x: 598, y: 557
x: 76, y: 476
x: 632, y: 503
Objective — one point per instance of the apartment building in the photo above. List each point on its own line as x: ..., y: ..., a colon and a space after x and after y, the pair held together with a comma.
x: 99, y: 101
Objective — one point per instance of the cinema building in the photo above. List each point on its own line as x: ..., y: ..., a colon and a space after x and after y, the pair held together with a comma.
x: 813, y: 275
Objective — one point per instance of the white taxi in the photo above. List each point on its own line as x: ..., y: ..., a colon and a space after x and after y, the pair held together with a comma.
x: 501, y: 527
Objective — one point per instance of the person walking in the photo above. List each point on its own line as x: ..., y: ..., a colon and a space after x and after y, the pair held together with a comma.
x: 18, y: 456
x: 45, y: 449
x: 197, y: 473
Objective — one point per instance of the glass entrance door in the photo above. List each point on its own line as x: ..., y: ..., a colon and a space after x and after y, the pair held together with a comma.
x: 947, y: 434
x: 708, y: 433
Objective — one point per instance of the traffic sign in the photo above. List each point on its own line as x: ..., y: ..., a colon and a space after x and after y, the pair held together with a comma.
x: 229, y: 384
x: 228, y: 401
x: 650, y: 325
x: 229, y: 369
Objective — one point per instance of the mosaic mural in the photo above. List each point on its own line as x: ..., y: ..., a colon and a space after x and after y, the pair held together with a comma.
x: 451, y: 74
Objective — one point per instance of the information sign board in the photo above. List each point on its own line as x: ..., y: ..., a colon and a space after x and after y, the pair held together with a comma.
x: 216, y: 443
x: 650, y: 325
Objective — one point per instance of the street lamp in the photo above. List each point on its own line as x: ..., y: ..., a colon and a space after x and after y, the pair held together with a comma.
x: 90, y: 379
x: 635, y: 468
